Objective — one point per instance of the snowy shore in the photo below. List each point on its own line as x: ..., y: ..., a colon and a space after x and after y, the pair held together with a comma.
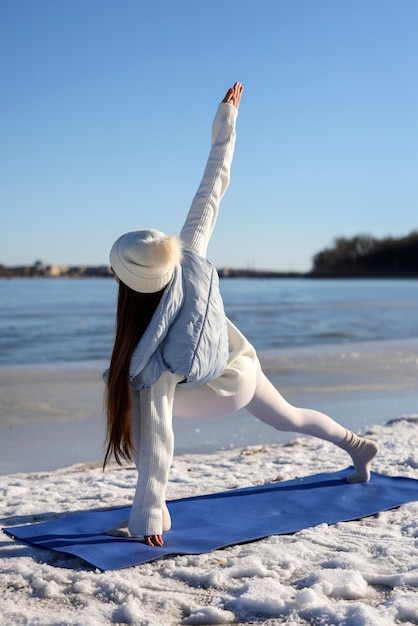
x: 352, y: 573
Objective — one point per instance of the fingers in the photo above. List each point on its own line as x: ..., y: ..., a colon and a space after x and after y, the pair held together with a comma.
x: 233, y: 95
x: 238, y: 89
x: 154, y: 540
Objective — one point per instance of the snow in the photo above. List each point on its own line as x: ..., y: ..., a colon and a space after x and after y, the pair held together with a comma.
x: 357, y: 573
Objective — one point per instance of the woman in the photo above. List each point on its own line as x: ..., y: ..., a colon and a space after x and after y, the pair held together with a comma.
x: 176, y: 353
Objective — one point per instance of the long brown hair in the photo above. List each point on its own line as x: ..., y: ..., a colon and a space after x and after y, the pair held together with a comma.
x: 134, y: 313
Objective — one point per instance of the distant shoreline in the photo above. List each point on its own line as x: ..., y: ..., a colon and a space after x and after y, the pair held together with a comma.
x: 102, y: 271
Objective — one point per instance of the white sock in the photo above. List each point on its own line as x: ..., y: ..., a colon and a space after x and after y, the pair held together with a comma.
x: 362, y: 452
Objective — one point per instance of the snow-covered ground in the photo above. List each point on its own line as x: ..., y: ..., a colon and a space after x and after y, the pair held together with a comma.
x: 352, y: 573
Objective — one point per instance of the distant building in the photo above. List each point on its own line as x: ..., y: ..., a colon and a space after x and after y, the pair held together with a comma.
x: 52, y: 270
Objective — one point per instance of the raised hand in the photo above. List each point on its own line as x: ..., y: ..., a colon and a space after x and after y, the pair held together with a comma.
x: 233, y: 95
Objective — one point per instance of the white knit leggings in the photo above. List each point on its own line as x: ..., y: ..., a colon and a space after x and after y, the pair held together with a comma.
x: 264, y: 402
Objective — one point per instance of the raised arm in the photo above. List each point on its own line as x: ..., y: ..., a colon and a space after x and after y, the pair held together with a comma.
x: 203, y: 212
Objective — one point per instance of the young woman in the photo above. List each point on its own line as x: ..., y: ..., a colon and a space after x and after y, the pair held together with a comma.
x: 176, y: 353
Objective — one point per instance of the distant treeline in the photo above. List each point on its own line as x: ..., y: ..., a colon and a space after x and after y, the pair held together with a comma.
x: 366, y: 256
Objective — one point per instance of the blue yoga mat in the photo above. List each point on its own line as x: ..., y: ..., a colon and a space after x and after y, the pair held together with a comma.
x: 205, y: 523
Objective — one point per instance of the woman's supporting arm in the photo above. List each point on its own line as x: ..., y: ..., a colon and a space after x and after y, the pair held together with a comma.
x: 155, y: 454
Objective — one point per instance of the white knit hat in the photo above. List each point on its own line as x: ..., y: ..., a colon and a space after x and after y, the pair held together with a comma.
x: 144, y: 260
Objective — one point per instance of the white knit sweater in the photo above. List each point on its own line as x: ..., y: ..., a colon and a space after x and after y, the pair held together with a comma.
x: 153, y: 434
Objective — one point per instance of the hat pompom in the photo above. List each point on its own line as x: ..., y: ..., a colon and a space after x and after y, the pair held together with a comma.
x: 161, y: 251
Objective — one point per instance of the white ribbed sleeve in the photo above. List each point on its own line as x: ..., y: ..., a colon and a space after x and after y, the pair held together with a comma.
x: 154, y: 445
x: 203, y: 212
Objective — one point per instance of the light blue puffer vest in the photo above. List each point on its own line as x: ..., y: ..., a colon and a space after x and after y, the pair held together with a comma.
x: 188, y: 333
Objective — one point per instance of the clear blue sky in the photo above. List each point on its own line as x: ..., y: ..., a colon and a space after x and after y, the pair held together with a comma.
x: 106, y: 109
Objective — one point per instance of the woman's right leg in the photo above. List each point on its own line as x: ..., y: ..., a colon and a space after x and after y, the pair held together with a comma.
x: 264, y: 402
